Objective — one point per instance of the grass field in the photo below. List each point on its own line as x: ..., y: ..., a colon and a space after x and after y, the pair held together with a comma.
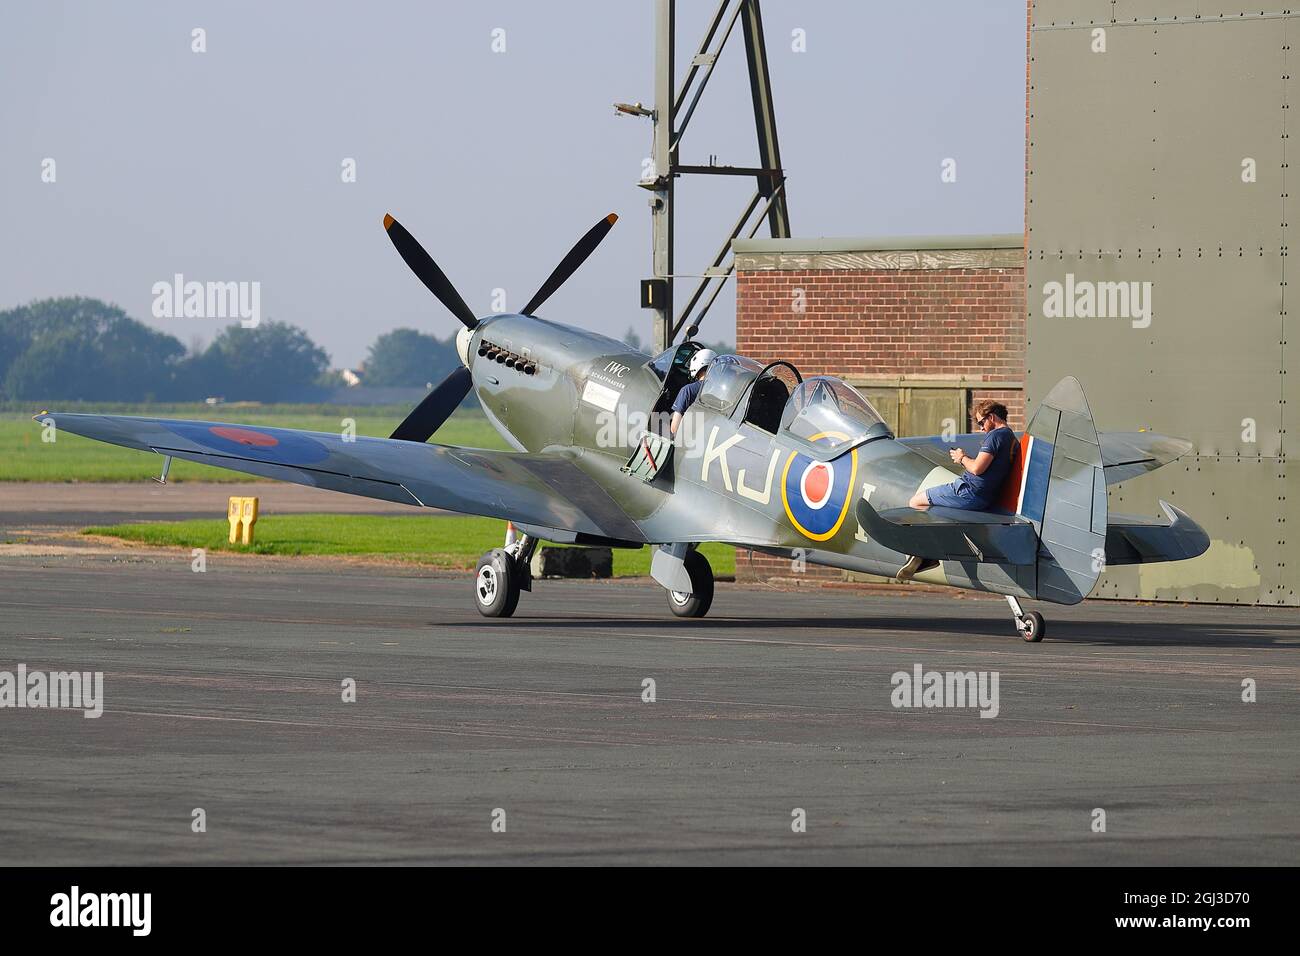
x: 25, y: 457
x: 449, y: 542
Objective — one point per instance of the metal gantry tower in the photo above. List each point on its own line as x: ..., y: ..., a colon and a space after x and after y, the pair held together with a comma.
x: 670, y: 104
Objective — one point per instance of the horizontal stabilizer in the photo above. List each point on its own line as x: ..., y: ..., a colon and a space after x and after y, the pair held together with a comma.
x: 1134, y: 539
x: 947, y: 534
x: 1129, y: 454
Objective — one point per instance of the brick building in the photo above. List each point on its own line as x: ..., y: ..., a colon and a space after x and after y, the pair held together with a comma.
x: 923, y: 326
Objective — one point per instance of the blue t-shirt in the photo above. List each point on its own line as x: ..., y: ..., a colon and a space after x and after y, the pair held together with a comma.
x: 997, y: 443
x: 687, y: 396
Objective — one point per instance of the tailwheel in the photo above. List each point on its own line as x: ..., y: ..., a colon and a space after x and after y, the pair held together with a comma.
x: 1032, y: 627
x: 496, y: 584
x: 695, y: 604
x: 1030, y: 624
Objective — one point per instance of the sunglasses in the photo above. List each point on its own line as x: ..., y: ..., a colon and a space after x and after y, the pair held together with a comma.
x: 979, y: 423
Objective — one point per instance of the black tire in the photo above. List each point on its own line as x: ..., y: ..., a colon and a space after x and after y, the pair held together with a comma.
x: 496, y: 585
x: 697, y: 603
x: 1033, y: 627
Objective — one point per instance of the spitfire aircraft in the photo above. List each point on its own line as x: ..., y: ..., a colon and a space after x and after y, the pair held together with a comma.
x: 765, y: 459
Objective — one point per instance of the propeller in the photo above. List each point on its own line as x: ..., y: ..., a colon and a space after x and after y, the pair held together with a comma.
x: 427, y: 271
x: 569, y: 264
x: 428, y: 416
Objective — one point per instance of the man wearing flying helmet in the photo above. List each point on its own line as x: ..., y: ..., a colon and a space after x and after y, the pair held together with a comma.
x: 698, y: 369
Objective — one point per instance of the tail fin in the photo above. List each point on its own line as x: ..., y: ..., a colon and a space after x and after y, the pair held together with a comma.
x: 1061, y: 488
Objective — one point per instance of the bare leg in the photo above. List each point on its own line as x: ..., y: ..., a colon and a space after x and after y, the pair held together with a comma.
x: 922, y: 501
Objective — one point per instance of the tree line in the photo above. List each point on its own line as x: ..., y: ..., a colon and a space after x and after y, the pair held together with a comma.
x: 77, y: 348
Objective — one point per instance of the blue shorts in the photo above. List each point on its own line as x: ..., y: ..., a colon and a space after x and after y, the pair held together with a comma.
x: 957, y: 495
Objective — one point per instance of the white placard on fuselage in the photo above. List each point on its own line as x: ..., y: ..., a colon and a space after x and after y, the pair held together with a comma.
x: 601, y: 396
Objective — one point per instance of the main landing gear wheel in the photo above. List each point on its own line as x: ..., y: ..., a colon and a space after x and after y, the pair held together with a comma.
x: 697, y: 603
x: 1032, y: 627
x: 496, y: 584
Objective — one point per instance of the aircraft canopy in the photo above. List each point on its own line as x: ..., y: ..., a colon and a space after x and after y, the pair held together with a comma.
x: 729, y: 376
x: 824, y: 409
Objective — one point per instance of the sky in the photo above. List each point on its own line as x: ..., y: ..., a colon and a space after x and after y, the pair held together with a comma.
x: 227, y: 164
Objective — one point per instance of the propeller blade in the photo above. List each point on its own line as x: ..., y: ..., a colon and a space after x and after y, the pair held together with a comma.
x: 436, y: 408
x: 427, y: 271
x: 569, y: 264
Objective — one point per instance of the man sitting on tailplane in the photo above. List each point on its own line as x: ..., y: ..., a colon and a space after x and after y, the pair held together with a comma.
x: 980, y: 485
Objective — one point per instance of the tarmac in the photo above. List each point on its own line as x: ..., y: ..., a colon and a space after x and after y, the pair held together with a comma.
x: 29, y: 504
x: 534, y: 740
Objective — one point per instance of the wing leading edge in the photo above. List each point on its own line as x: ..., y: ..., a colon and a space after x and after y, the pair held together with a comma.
x: 547, y: 491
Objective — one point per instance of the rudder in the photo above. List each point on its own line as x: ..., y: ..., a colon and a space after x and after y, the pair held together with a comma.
x: 1063, y: 492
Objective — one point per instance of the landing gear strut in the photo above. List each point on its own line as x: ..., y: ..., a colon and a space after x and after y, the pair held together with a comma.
x: 695, y: 604
x: 501, y: 574
x: 1031, y: 626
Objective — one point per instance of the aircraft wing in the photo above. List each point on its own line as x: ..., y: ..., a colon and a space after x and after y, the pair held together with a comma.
x: 546, y: 491
x: 1124, y: 455
x: 949, y: 534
